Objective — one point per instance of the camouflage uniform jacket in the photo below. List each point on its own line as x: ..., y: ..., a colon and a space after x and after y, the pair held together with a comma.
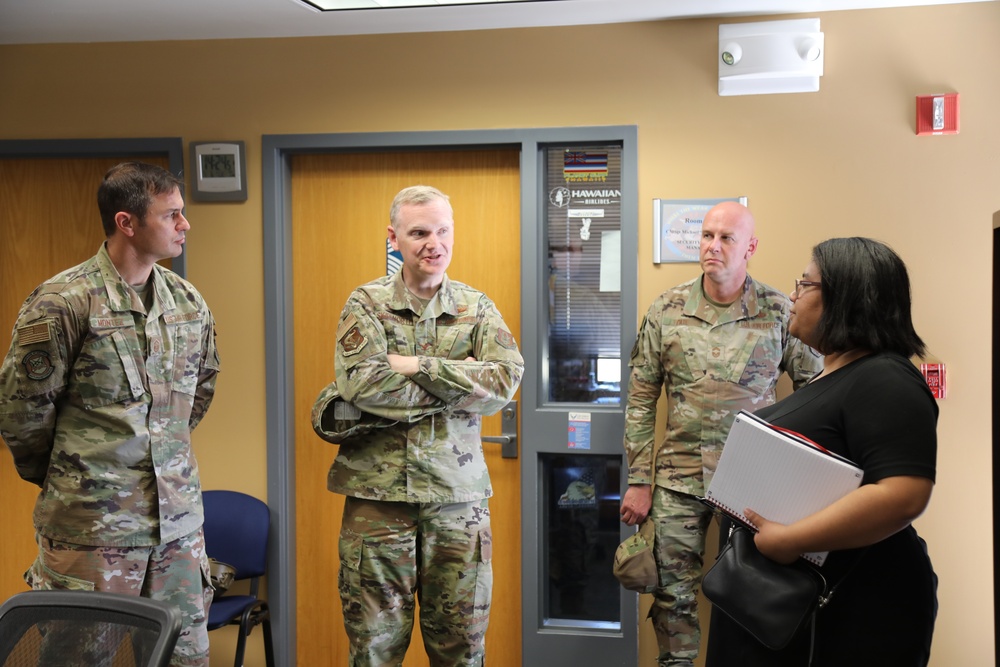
x: 433, y: 452
x: 97, y: 403
x: 712, y: 365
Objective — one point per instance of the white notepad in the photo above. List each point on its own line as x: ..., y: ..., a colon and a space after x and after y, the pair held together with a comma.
x: 780, y: 475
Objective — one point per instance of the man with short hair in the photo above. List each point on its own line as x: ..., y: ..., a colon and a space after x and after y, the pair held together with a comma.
x: 717, y: 344
x: 419, y: 360
x: 111, y: 366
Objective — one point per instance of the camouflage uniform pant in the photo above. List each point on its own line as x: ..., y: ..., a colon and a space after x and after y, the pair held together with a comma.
x: 680, y: 522
x: 391, y: 552
x: 176, y: 572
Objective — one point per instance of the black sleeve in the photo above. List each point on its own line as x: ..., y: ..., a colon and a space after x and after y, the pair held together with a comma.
x: 890, y: 420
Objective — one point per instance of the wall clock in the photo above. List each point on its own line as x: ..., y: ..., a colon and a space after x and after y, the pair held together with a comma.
x: 218, y: 171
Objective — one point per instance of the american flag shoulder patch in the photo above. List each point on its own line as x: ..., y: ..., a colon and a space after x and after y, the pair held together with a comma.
x: 30, y: 334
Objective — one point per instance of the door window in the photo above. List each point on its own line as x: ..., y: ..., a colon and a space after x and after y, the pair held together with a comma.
x: 583, y: 229
x: 581, y: 499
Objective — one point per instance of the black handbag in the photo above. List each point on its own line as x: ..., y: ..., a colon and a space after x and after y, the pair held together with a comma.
x: 769, y: 600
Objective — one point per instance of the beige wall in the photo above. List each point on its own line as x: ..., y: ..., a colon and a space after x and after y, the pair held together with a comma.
x: 842, y: 161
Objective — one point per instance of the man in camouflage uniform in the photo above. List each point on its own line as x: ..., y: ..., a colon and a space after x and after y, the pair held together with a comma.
x: 419, y: 359
x: 111, y: 365
x: 717, y: 345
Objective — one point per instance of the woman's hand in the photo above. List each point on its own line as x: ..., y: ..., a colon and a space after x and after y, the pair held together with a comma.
x: 772, y: 539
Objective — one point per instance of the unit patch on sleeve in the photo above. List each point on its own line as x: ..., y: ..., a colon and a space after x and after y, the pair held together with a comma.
x: 353, y: 341
x: 506, y: 339
x: 37, y: 365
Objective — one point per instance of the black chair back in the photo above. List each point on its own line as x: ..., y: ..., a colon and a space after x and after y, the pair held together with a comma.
x: 67, y: 628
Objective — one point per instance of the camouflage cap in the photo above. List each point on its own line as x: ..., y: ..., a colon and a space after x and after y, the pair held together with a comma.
x: 335, y: 420
x: 635, y: 565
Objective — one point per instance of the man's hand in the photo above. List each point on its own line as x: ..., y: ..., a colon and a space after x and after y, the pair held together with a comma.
x: 404, y: 365
x: 636, y: 503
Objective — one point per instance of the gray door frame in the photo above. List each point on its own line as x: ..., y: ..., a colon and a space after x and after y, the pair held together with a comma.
x: 277, y: 151
x: 552, y: 642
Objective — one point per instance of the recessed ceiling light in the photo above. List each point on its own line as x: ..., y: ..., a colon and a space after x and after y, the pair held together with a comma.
x: 337, y: 5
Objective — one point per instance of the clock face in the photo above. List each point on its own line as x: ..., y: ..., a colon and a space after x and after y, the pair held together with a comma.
x: 218, y: 171
x: 221, y: 165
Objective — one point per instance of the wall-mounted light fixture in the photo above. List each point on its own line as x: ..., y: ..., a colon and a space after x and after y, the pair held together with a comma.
x: 770, y: 57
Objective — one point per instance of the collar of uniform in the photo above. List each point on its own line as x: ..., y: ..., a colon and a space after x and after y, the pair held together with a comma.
x: 404, y: 299
x: 119, y: 294
x: 698, y: 305
x: 163, y: 295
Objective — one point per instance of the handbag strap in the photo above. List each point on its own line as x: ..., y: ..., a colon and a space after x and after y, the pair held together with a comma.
x: 812, y: 636
x: 824, y: 599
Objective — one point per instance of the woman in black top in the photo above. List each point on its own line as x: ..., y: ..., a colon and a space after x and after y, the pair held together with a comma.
x: 871, y: 405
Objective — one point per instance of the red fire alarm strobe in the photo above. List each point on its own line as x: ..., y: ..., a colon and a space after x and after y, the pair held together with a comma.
x: 935, y: 377
x: 937, y: 114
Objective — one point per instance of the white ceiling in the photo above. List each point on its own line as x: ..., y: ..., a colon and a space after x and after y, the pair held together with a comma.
x: 63, y: 21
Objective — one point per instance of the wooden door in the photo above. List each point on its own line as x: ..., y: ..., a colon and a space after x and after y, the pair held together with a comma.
x: 340, y: 210
x: 48, y: 222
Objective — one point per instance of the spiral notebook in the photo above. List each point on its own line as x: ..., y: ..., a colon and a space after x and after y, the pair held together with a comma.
x: 779, y: 474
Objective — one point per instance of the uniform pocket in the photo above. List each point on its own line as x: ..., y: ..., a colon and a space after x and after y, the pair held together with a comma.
x: 349, y: 580
x: 208, y: 590
x: 106, y: 372
x: 187, y: 356
x: 454, y: 340
x: 484, y: 576
x: 685, y: 354
x: 760, y: 360
x: 41, y: 578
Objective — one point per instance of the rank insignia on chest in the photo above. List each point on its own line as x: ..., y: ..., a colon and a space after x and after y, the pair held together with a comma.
x: 353, y: 341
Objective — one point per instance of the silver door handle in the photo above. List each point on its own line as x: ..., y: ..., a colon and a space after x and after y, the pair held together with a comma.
x: 508, y: 432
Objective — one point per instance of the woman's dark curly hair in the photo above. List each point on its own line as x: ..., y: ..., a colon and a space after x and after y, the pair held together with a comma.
x: 866, y: 298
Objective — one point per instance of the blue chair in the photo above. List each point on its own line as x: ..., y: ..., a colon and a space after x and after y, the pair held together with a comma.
x: 236, y: 533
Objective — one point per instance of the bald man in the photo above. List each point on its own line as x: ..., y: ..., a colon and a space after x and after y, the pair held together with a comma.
x: 717, y: 344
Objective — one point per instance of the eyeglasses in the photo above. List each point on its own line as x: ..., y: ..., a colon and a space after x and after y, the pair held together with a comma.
x: 799, y: 284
